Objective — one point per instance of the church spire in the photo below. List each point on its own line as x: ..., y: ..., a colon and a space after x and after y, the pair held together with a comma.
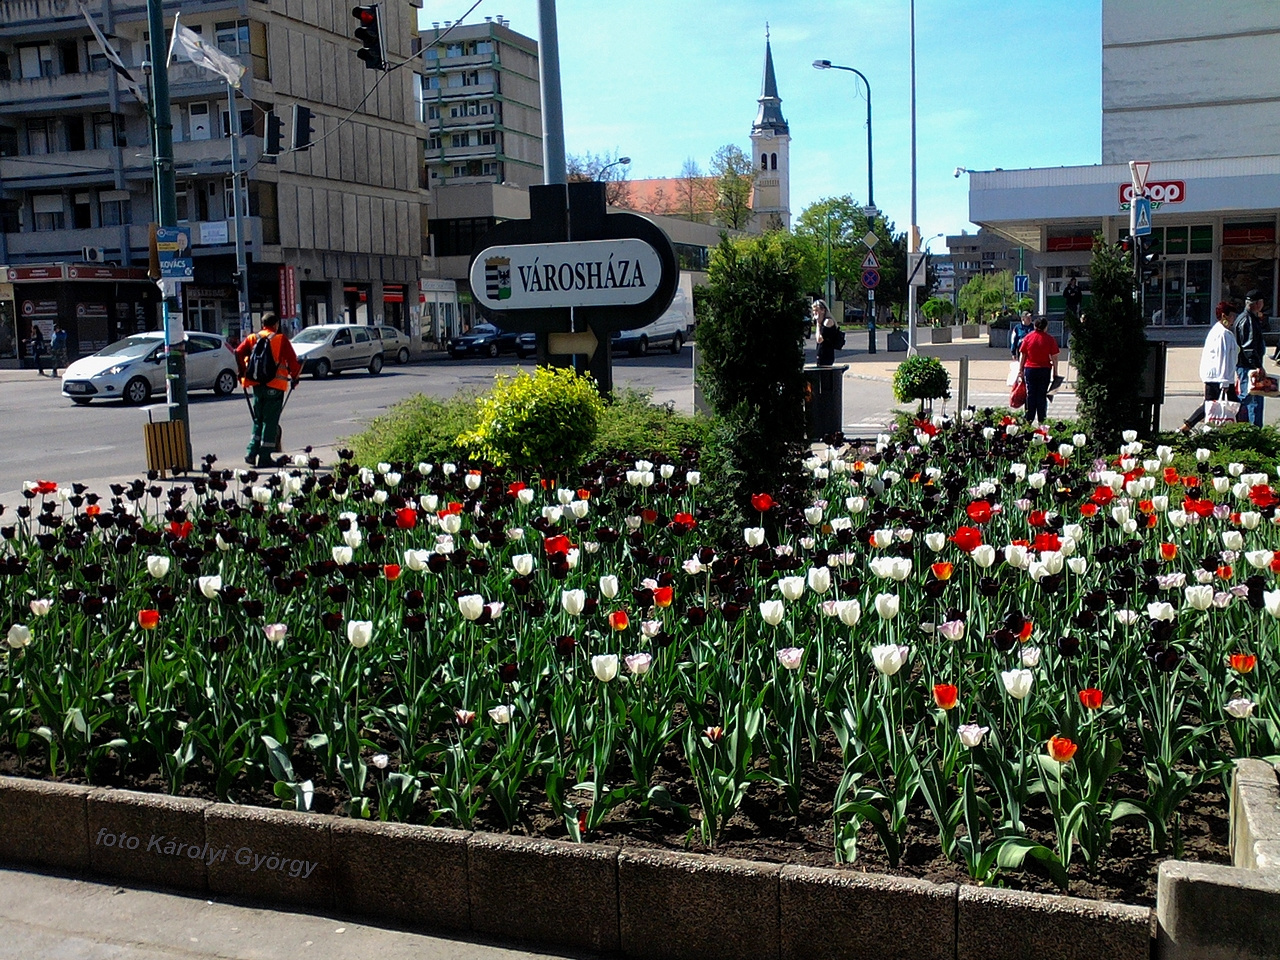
x: 770, y: 115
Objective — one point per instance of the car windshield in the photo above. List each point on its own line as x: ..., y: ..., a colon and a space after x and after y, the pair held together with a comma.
x: 483, y: 330
x: 130, y: 347
x: 312, y: 335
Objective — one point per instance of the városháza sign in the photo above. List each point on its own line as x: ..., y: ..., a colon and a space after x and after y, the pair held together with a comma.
x: 589, y: 273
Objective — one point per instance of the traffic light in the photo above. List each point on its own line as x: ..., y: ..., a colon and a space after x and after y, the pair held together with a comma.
x: 275, y: 133
x: 302, y: 128
x: 370, y: 35
x: 1149, y: 255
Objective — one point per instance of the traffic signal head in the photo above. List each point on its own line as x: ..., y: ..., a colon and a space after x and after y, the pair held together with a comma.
x: 275, y: 133
x: 369, y: 33
x: 302, y: 127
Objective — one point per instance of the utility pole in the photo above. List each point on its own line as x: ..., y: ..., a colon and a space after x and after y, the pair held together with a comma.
x: 242, y: 269
x: 166, y: 214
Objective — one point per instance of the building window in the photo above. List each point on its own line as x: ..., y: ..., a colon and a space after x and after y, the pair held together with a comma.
x: 764, y: 161
x: 489, y: 169
x: 773, y: 161
x: 246, y: 123
x: 432, y: 83
x: 97, y: 59
x: 433, y: 111
x: 232, y: 37
x: 434, y: 142
x: 432, y: 53
x: 470, y: 78
x: 49, y: 210
x: 8, y: 141
x: 484, y: 46
x: 105, y: 132
x: 36, y: 60
x: 113, y: 210
x: 228, y: 201
x: 453, y: 50
x: 200, y: 125
x: 39, y: 135
x: 263, y: 204
x: 488, y: 138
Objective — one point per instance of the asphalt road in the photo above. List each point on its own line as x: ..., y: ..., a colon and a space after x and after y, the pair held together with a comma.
x: 43, y: 435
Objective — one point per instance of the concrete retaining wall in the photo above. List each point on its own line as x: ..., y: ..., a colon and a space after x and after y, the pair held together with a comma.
x: 614, y: 900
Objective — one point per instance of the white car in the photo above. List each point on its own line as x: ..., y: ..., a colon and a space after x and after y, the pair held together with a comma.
x: 395, y: 345
x: 333, y: 347
x: 133, y: 369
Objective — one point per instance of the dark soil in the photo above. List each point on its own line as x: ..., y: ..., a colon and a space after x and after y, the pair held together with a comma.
x: 764, y: 828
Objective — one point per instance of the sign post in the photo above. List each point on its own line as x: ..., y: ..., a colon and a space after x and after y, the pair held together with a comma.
x: 1139, y: 218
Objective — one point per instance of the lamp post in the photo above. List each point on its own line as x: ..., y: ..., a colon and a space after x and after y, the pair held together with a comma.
x: 915, y: 230
x: 620, y: 162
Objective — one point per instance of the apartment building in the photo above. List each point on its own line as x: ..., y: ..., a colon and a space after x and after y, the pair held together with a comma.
x: 332, y: 232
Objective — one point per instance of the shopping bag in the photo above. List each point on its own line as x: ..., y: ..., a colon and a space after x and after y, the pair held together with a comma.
x: 1015, y: 368
x: 1018, y: 396
x: 836, y: 335
x: 1262, y: 385
x: 1218, y: 412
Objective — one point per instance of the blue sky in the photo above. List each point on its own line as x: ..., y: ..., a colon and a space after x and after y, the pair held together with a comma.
x: 999, y: 83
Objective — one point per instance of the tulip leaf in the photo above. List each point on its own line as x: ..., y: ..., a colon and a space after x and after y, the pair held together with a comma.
x: 1013, y: 852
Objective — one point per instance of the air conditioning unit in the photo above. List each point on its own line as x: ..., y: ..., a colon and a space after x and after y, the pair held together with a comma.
x: 94, y: 255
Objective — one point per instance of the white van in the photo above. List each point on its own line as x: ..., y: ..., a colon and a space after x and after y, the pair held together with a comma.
x: 671, y: 329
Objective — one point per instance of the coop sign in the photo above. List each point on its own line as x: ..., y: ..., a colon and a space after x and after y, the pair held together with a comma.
x: 1157, y: 191
x: 590, y: 273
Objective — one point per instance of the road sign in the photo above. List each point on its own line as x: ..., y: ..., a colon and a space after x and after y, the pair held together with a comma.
x: 591, y: 273
x: 870, y: 239
x: 1138, y: 170
x: 1140, y: 217
x: 869, y: 262
x: 1021, y: 283
x: 871, y: 279
x: 569, y: 344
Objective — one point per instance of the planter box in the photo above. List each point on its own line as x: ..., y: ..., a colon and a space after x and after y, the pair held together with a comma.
x: 896, y: 341
x: 998, y: 337
x: 939, y: 334
x: 969, y: 331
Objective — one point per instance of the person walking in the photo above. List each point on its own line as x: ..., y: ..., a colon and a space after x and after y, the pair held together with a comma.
x: 830, y: 337
x: 1217, y: 363
x: 1018, y: 332
x: 1072, y: 296
x: 1038, y: 355
x: 58, y: 348
x: 36, y: 344
x: 269, y: 371
x: 1250, y: 329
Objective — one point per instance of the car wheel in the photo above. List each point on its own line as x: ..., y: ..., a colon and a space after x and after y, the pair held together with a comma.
x: 322, y: 369
x: 403, y: 356
x: 225, y: 384
x: 80, y: 401
x: 642, y: 347
x: 136, y: 391
x: 493, y: 350
x: 677, y: 343
x: 375, y: 364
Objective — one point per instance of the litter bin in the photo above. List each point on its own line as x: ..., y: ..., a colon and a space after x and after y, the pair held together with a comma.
x: 824, y: 400
x: 166, y: 442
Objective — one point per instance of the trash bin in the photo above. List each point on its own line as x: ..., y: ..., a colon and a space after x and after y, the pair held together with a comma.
x: 166, y: 442
x: 824, y: 400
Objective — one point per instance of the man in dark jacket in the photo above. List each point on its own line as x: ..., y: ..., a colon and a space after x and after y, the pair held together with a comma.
x: 1073, y: 296
x: 1250, y: 329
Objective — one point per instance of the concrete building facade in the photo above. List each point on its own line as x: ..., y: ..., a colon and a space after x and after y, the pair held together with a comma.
x: 1188, y: 87
x: 333, y: 232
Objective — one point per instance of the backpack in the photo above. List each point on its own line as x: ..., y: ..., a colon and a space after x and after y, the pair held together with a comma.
x: 262, y: 364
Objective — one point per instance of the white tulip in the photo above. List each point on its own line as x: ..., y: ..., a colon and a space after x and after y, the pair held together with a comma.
x: 791, y: 588
x: 855, y: 504
x: 552, y: 513
x: 1199, y: 597
x: 451, y: 523
x: 1232, y: 540
x: 693, y: 478
x: 849, y: 612
x: 608, y: 586
x: 471, y: 606
x: 572, y: 601
x: 157, y: 566
x: 638, y: 663
x: 1161, y: 611
x: 1017, y: 682
x: 971, y: 734
x: 1015, y: 555
x: 952, y: 630
x: 881, y: 538
x: 579, y: 508
x: 40, y: 608
x: 522, y: 564
x: 889, y: 658
x: 1271, y: 602
x: 984, y: 555
x: 210, y: 586
x: 754, y: 536
x: 1240, y: 708
x: 791, y: 657
x: 429, y: 502
x: 887, y: 605
x: 1078, y: 565
x: 19, y: 636
x: 359, y: 632
x: 813, y: 515
x: 416, y: 559
x: 1249, y: 519
x: 392, y: 479
x: 276, y: 632
x: 819, y: 579
x: 502, y: 713
x: 260, y: 494
x: 772, y: 611
x: 605, y: 666
x: 1259, y: 558
x: 935, y: 541
x: 1030, y: 656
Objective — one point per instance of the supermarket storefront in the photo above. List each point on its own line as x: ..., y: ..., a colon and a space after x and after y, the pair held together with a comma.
x: 1215, y: 223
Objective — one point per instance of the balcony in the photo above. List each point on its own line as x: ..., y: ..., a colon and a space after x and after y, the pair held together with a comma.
x: 68, y: 91
x: 53, y: 246
x: 54, y: 170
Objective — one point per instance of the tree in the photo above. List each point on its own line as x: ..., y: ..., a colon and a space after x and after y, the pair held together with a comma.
x: 1109, y: 347
x: 693, y: 196
x: 590, y: 167
x: 985, y: 294
x: 751, y: 346
x: 936, y: 309
x: 735, y: 176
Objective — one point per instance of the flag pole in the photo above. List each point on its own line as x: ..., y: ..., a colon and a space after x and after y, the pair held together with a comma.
x: 242, y: 269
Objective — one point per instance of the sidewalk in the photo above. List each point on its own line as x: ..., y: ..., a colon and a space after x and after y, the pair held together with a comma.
x: 49, y: 917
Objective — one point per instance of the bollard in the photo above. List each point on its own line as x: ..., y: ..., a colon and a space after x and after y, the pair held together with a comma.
x: 962, y: 389
x: 871, y: 337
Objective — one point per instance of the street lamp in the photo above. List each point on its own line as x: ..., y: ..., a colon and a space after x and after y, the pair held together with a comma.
x: 620, y: 162
x: 871, y: 200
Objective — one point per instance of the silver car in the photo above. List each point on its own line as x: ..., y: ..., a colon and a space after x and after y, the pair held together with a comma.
x: 333, y: 347
x: 395, y: 345
x: 133, y: 369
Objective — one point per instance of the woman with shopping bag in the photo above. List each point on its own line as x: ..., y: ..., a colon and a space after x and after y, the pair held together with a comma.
x: 1218, y: 372
x: 1038, y: 357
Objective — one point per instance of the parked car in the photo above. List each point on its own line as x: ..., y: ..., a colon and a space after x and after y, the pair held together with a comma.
x: 133, y: 369
x: 333, y: 347
x: 526, y: 345
x: 671, y: 329
x: 395, y: 344
x: 482, y: 340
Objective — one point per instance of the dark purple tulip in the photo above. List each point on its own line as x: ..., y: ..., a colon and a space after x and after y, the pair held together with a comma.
x: 414, y: 599
x: 1004, y: 639
x: 1068, y: 646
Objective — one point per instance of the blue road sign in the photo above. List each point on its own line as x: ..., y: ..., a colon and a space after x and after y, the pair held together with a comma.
x: 1021, y: 283
x: 870, y: 279
x: 1141, y: 217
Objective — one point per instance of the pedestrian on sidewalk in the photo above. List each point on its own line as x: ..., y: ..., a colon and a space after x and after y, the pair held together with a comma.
x: 1072, y: 296
x: 36, y: 345
x: 1250, y: 329
x: 269, y: 372
x: 1217, y: 363
x: 58, y: 348
x: 1038, y: 355
x: 1018, y: 332
x: 830, y: 337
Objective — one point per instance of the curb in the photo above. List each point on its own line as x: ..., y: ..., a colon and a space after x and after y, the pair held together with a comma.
x: 633, y: 901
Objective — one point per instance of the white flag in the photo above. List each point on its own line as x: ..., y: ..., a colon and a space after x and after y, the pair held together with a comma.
x: 113, y: 57
x: 211, y: 58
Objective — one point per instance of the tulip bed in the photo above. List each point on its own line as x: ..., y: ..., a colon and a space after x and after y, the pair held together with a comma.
x: 1007, y: 640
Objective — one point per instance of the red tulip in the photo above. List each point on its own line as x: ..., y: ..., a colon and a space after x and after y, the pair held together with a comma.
x: 649, y: 515
x: 1243, y: 662
x: 1275, y: 562
x: 181, y: 530
x: 942, y: 571
x: 1036, y: 518
x: 391, y: 571
x: 619, y: 620
x: 1262, y: 496
x: 148, y: 619
x: 662, y: 596
x: 1091, y: 698
x: 1168, y: 551
x: 514, y: 488
x: 1025, y: 633
x: 406, y: 518
x: 761, y: 502
x: 1062, y: 749
x: 46, y: 486
x: 92, y: 510
x: 1225, y: 571
x: 1171, y: 475
x: 1088, y: 509
x: 1047, y: 541
x: 584, y: 493
x: 979, y: 511
x: 557, y: 544
x: 967, y: 539
x: 946, y: 695
x: 1102, y: 496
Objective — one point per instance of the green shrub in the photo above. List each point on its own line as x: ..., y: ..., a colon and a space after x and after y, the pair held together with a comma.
x: 546, y: 422
x: 633, y: 425
x: 921, y: 378
x: 1258, y: 448
x: 415, y: 429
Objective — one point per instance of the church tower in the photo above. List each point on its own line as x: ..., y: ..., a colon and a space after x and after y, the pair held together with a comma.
x: 770, y: 142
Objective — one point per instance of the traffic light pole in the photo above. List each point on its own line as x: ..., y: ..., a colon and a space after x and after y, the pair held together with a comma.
x: 166, y: 213
x: 242, y: 269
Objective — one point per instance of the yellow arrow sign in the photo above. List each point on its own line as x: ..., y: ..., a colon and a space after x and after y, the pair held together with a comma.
x: 569, y: 344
